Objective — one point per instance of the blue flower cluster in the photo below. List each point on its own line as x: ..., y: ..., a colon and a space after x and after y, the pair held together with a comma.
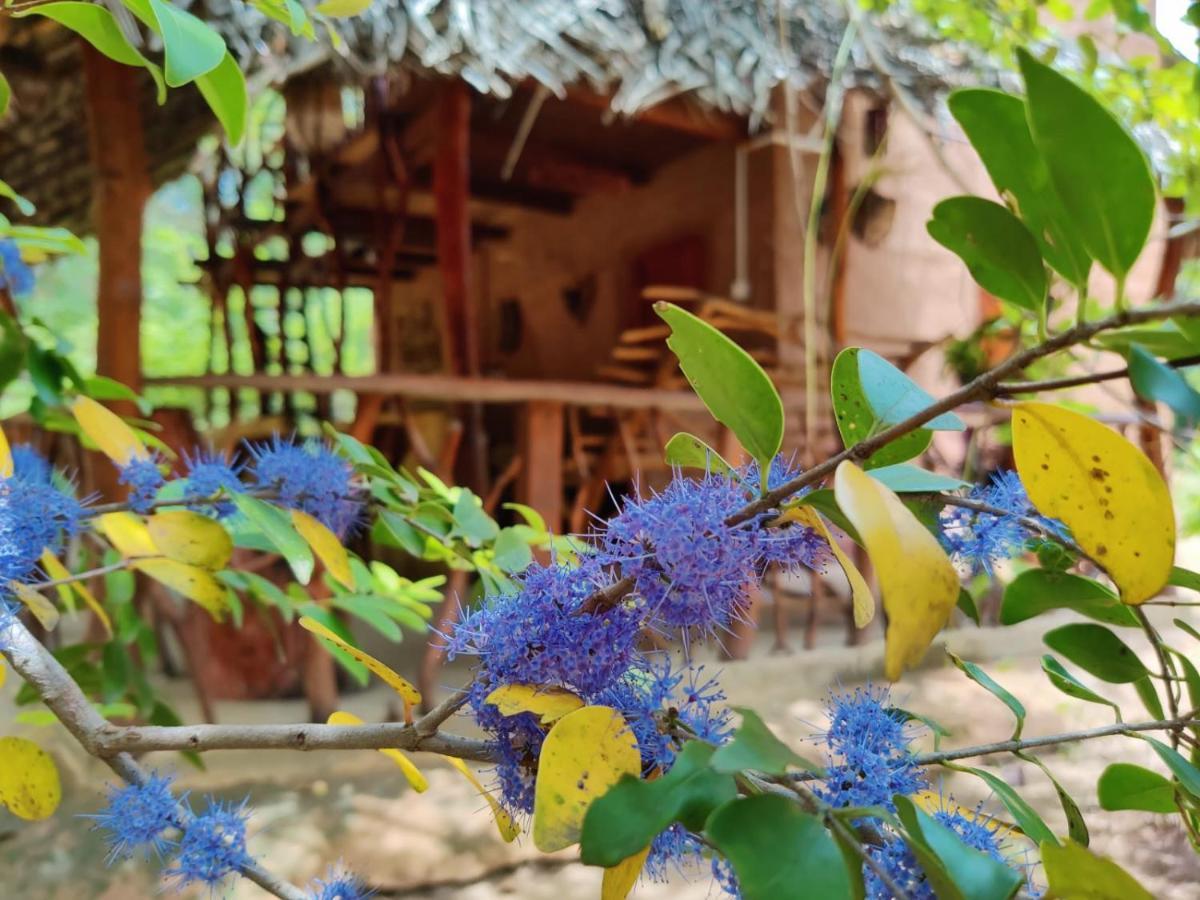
x: 144, y: 477
x: 310, y: 477
x: 694, y: 571
x: 979, y: 540
x: 30, y: 465
x: 34, y: 516
x: 205, y: 849
x: 15, y: 274
x: 211, y: 474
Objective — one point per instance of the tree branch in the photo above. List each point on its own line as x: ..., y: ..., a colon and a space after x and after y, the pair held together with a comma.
x: 1056, y: 384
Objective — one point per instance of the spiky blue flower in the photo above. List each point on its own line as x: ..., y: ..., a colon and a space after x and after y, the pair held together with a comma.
x: 33, y: 517
x: 693, y: 570
x: 339, y: 884
x: 724, y: 876
x: 540, y: 635
x: 15, y: 274
x: 139, y: 817
x: 213, y: 846
x: 310, y: 477
x: 868, y: 745
x: 211, y: 474
x: 29, y: 464
x: 674, y: 851
x: 144, y: 477
x: 979, y: 540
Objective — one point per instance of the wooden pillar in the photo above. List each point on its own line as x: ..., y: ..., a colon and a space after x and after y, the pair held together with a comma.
x: 452, y: 195
x: 121, y: 188
x: 541, y: 484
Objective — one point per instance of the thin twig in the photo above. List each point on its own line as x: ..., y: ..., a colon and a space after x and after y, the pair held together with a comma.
x: 1166, y: 669
x: 1057, y: 384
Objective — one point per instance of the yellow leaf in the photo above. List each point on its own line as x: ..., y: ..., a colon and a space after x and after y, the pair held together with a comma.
x: 108, y: 431
x: 6, y: 460
x: 409, y: 694
x: 191, y: 538
x: 584, y: 755
x: 917, y: 581
x: 1107, y: 492
x: 862, y: 602
x: 620, y: 879
x: 504, y: 822
x: 551, y: 703
x: 341, y: 9
x: 43, y: 610
x: 128, y: 534
x: 58, y: 572
x: 29, y: 783
x: 413, y: 775
x: 192, y: 582
x: 325, y: 545
x: 3, y: 673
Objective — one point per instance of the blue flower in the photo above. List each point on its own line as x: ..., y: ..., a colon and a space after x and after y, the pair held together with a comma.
x: 209, y: 474
x: 33, y: 517
x: 870, y: 760
x: 898, y: 861
x: 340, y: 885
x: 15, y: 274
x: 144, y: 477
x: 30, y: 465
x: 675, y: 850
x: 979, y: 540
x: 212, y: 847
x: 138, y: 816
x: 312, y: 478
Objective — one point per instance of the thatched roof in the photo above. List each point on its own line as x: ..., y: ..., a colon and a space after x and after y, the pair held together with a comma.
x: 727, y: 55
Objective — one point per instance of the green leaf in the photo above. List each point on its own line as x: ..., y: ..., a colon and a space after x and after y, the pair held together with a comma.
x: 974, y: 874
x: 1076, y: 825
x: 277, y: 528
x: 755, y: 747
x: 339, y: 9
x: 626, y: 819
x: 1098, y: 651
x: 777, y: 851
x: 24, y: 206
x: 1187, y: 774
x: 856, y: 420
x: 5, y: 95
x: 732, y: 385
x: 1036, y: 590
x: 471, y: 523
x: 512, y: 553
x: 904, y: 478
x: 999, y: 252
x: 689, y: 452
x: 191, y: 48
x: 966, y: 605
x: 1185, y: 578
x: 224, y: 90
x: 1026, y: 817
x: 1162, y: 339
x: 1071, y: 686
x: 1075, y: 873
x: 1152, y: 380
x: 1126, y: 786
x: 984, y: 680
x: 1148, y: 694
x: 94, y: 24
x: 997, y: 127
x: 1099, y: 172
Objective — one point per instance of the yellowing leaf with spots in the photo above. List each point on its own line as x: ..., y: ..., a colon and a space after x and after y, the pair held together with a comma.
x: 6, y: 459
x: 916, y: 579
x: 620, y: 879
x: 1107, y: 492
x: 197, y: 584
x: 191, y: 538
x: 108, y: 431
x: 29, y: 783
x: 58, y: 572
x: 584, y: 755
x: 550, y: 703
x: 43, y: 610
x: 409, y: 694
x: 325, y: 545
x: 411, y: 773
x: 128, y: 533
x: 862, y: 602
x: 504, y: 822
x: 3, y: 674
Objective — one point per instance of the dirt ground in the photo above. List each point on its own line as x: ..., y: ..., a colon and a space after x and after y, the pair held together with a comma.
x: 312, y: 809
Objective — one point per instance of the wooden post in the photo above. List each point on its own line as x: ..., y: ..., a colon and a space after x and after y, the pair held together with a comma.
x: 451, y: 195
x: 541, y: 483
x: 122, y: 186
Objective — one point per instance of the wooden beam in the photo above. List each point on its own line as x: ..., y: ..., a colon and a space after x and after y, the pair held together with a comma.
x: 546, y: 168
x: 121, y: 188
x: 676, y: 115
x: 541, y: 480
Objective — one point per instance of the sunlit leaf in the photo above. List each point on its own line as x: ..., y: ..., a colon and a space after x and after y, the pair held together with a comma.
x: 916, y: 579
x: 620, y: 879
x: 409, y: 694
x: 29, y: 782
x: 585, y: 754
x: 224, y: 90
x: 42, y: 609
x: 861, y: 600
x: 6, y: 459
x: 191, y: 47
x: 58, y: 572
x: 108, y: 431
x: 1107, y: 492
x: 279, y: 530
x: 504, y: 822
x: 689, y: 452
x: 755, y: 747
x: 128, y: 533
x: 548, y: 703
x: 325, y: 545
x: 192, y: 582
x: 339, y: 9
x: 412, y: 774
x: 191, y: 538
